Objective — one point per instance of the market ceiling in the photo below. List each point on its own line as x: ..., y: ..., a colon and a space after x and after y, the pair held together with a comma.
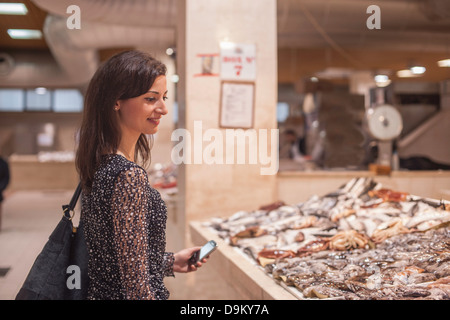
x: 315, y: 37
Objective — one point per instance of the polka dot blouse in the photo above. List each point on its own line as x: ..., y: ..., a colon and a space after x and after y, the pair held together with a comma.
x: 125, y: 224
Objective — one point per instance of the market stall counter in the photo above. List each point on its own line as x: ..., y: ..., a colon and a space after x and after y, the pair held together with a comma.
x: 361, y: 241
x: 43, y: 171
x: 239, y: 272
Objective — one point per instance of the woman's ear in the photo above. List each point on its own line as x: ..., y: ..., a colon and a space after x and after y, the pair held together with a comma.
x: 117, y: 106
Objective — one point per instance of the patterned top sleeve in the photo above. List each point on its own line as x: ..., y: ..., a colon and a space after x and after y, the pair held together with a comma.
x: 129, y: 206
x: 169, y: 260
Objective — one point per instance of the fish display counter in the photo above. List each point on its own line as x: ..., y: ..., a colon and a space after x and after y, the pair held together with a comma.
x: 361, y: 241
x: 240, y: 273
x: 296, y: 186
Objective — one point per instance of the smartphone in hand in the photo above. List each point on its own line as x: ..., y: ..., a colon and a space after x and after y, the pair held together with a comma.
x: 208, y: 248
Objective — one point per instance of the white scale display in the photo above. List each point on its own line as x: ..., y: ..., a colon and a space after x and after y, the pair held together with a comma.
x: 385, y: 124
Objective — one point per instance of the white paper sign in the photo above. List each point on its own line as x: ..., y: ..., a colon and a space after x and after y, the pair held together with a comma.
x: 237, y: 61
x: 237, y: 105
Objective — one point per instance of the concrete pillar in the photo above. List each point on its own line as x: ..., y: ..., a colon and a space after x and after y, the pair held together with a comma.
x: 209, y: 190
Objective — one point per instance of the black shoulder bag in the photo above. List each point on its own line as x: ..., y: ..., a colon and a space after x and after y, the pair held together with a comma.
x: 60, y: 270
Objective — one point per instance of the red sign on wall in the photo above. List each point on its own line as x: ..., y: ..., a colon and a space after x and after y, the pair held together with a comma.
x: 237, y: 61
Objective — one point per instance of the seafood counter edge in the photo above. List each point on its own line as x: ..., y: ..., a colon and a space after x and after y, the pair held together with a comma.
x: 244, y: 276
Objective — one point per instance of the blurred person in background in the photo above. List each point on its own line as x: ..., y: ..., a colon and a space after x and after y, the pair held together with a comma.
x: 4, y: 181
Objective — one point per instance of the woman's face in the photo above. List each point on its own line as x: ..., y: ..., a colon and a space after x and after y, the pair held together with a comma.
x: 141, y: 115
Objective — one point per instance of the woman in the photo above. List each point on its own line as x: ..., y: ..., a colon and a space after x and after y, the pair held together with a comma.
x: 124, y: 218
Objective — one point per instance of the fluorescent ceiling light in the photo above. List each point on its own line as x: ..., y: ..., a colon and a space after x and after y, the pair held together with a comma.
x: 381, y: 78
x: 383, y: 84
x: 24, y: 34
x: 444, y: 63
x: 407, y: 73
x: 40, y: 90
x: 418, y: 69
x: 13, y: 8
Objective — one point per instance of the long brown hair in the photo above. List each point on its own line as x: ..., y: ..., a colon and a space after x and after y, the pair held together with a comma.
x: 126, y: 75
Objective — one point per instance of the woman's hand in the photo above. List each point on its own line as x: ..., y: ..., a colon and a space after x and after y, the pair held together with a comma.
x: 182, y: 264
